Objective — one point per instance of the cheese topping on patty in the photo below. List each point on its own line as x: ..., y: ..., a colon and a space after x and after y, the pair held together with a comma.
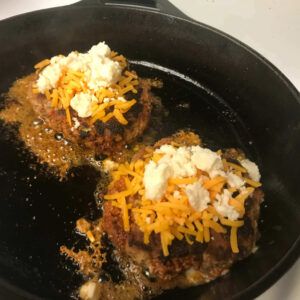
x: 177, y: 162
x: 97, y: 66
x: 90, y: 85
x: 184, y: 162
x: 183, y: 193
x: 83, y: 104
x: 251, y: 168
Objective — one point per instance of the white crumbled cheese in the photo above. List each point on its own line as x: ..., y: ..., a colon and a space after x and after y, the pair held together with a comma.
x: 198, y: 196
x: 109, y: 165
x: 176, y: 194
x: 76, y: 123
x: 166, y: 149
x: 186, y: 160
x: 183, y: 162
x: 155, y: 179
x: 48, y: 78
x: 216, y: 172
x: 205, y: 159
x: 82, y: 103
x: 223, y: 207
x: 251, y: 168
x: 215, y: 218
x: 178, y: 163
x: 179, y: 160
x: 98, y: 68
x: 90, y: 291
x: 242, y: 189
x: 234, y: 180
x: 122, y: 99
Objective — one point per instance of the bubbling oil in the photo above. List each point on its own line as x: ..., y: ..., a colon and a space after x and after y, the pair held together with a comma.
x: 49, y: 147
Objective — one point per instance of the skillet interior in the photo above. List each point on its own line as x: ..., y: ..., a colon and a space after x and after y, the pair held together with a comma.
x: 251, y: 106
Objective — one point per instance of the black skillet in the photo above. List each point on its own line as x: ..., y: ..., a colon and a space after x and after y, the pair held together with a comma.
x: 212, y: 83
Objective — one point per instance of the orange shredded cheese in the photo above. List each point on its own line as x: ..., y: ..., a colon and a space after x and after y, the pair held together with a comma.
x: 236, y: 167
x: 239, y: 206
x: 187, y: 180
x: 231, y: 223
x: 244, y: 195
x: 119, y: 116
x: 90, y: 236
x: 42, y: 64
x: 252, y: 182
x: 68, y: 116
x: 125, y: 214
x: 233, y: 240
x: 212, y: 182
x: 206, y: 234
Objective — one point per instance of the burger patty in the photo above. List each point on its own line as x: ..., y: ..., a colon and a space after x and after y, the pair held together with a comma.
x: 103, y: 138
x: 186, y: 264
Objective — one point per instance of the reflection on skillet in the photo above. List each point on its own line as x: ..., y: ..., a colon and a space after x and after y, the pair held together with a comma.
x: 175, y: 214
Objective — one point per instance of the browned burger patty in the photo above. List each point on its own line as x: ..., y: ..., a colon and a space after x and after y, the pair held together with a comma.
x: 104, y: 138
x: 187, y: 264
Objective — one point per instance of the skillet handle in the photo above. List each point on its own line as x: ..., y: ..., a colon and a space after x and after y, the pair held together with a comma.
x: 162, y: 6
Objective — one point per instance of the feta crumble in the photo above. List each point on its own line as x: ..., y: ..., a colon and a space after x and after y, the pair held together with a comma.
x: 198, y: 196
x: 98, y: 68
x: 155, y: 179
x: 205, y: 159
x: 90, y: 291
x: 76, y: 123
x: 109, y: 165
x: 224, y: 208
x: 49, y: 77
x: 234, y: 180
x: 176, y: 194
x: 82, y: 103
x: 179, y: 160
x: 178, y: 163
x: 184, y: 162
x: 251, y: 168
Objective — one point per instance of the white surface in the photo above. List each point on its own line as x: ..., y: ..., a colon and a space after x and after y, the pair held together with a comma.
x: 272, y: 27
x: 10, y: 8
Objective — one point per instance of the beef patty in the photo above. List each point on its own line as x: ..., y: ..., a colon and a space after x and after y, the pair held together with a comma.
x: 187, y: 264
x: 103, y: 138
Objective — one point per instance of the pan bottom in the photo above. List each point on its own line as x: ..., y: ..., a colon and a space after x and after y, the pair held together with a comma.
x: 38, y: 213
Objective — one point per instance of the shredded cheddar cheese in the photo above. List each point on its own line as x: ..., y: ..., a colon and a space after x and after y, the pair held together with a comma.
x: 110, y: 102
x: 233, y: 239
x: 172, y: 216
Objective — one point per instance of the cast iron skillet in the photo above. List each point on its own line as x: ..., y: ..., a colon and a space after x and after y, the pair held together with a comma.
x: 214, y: 84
